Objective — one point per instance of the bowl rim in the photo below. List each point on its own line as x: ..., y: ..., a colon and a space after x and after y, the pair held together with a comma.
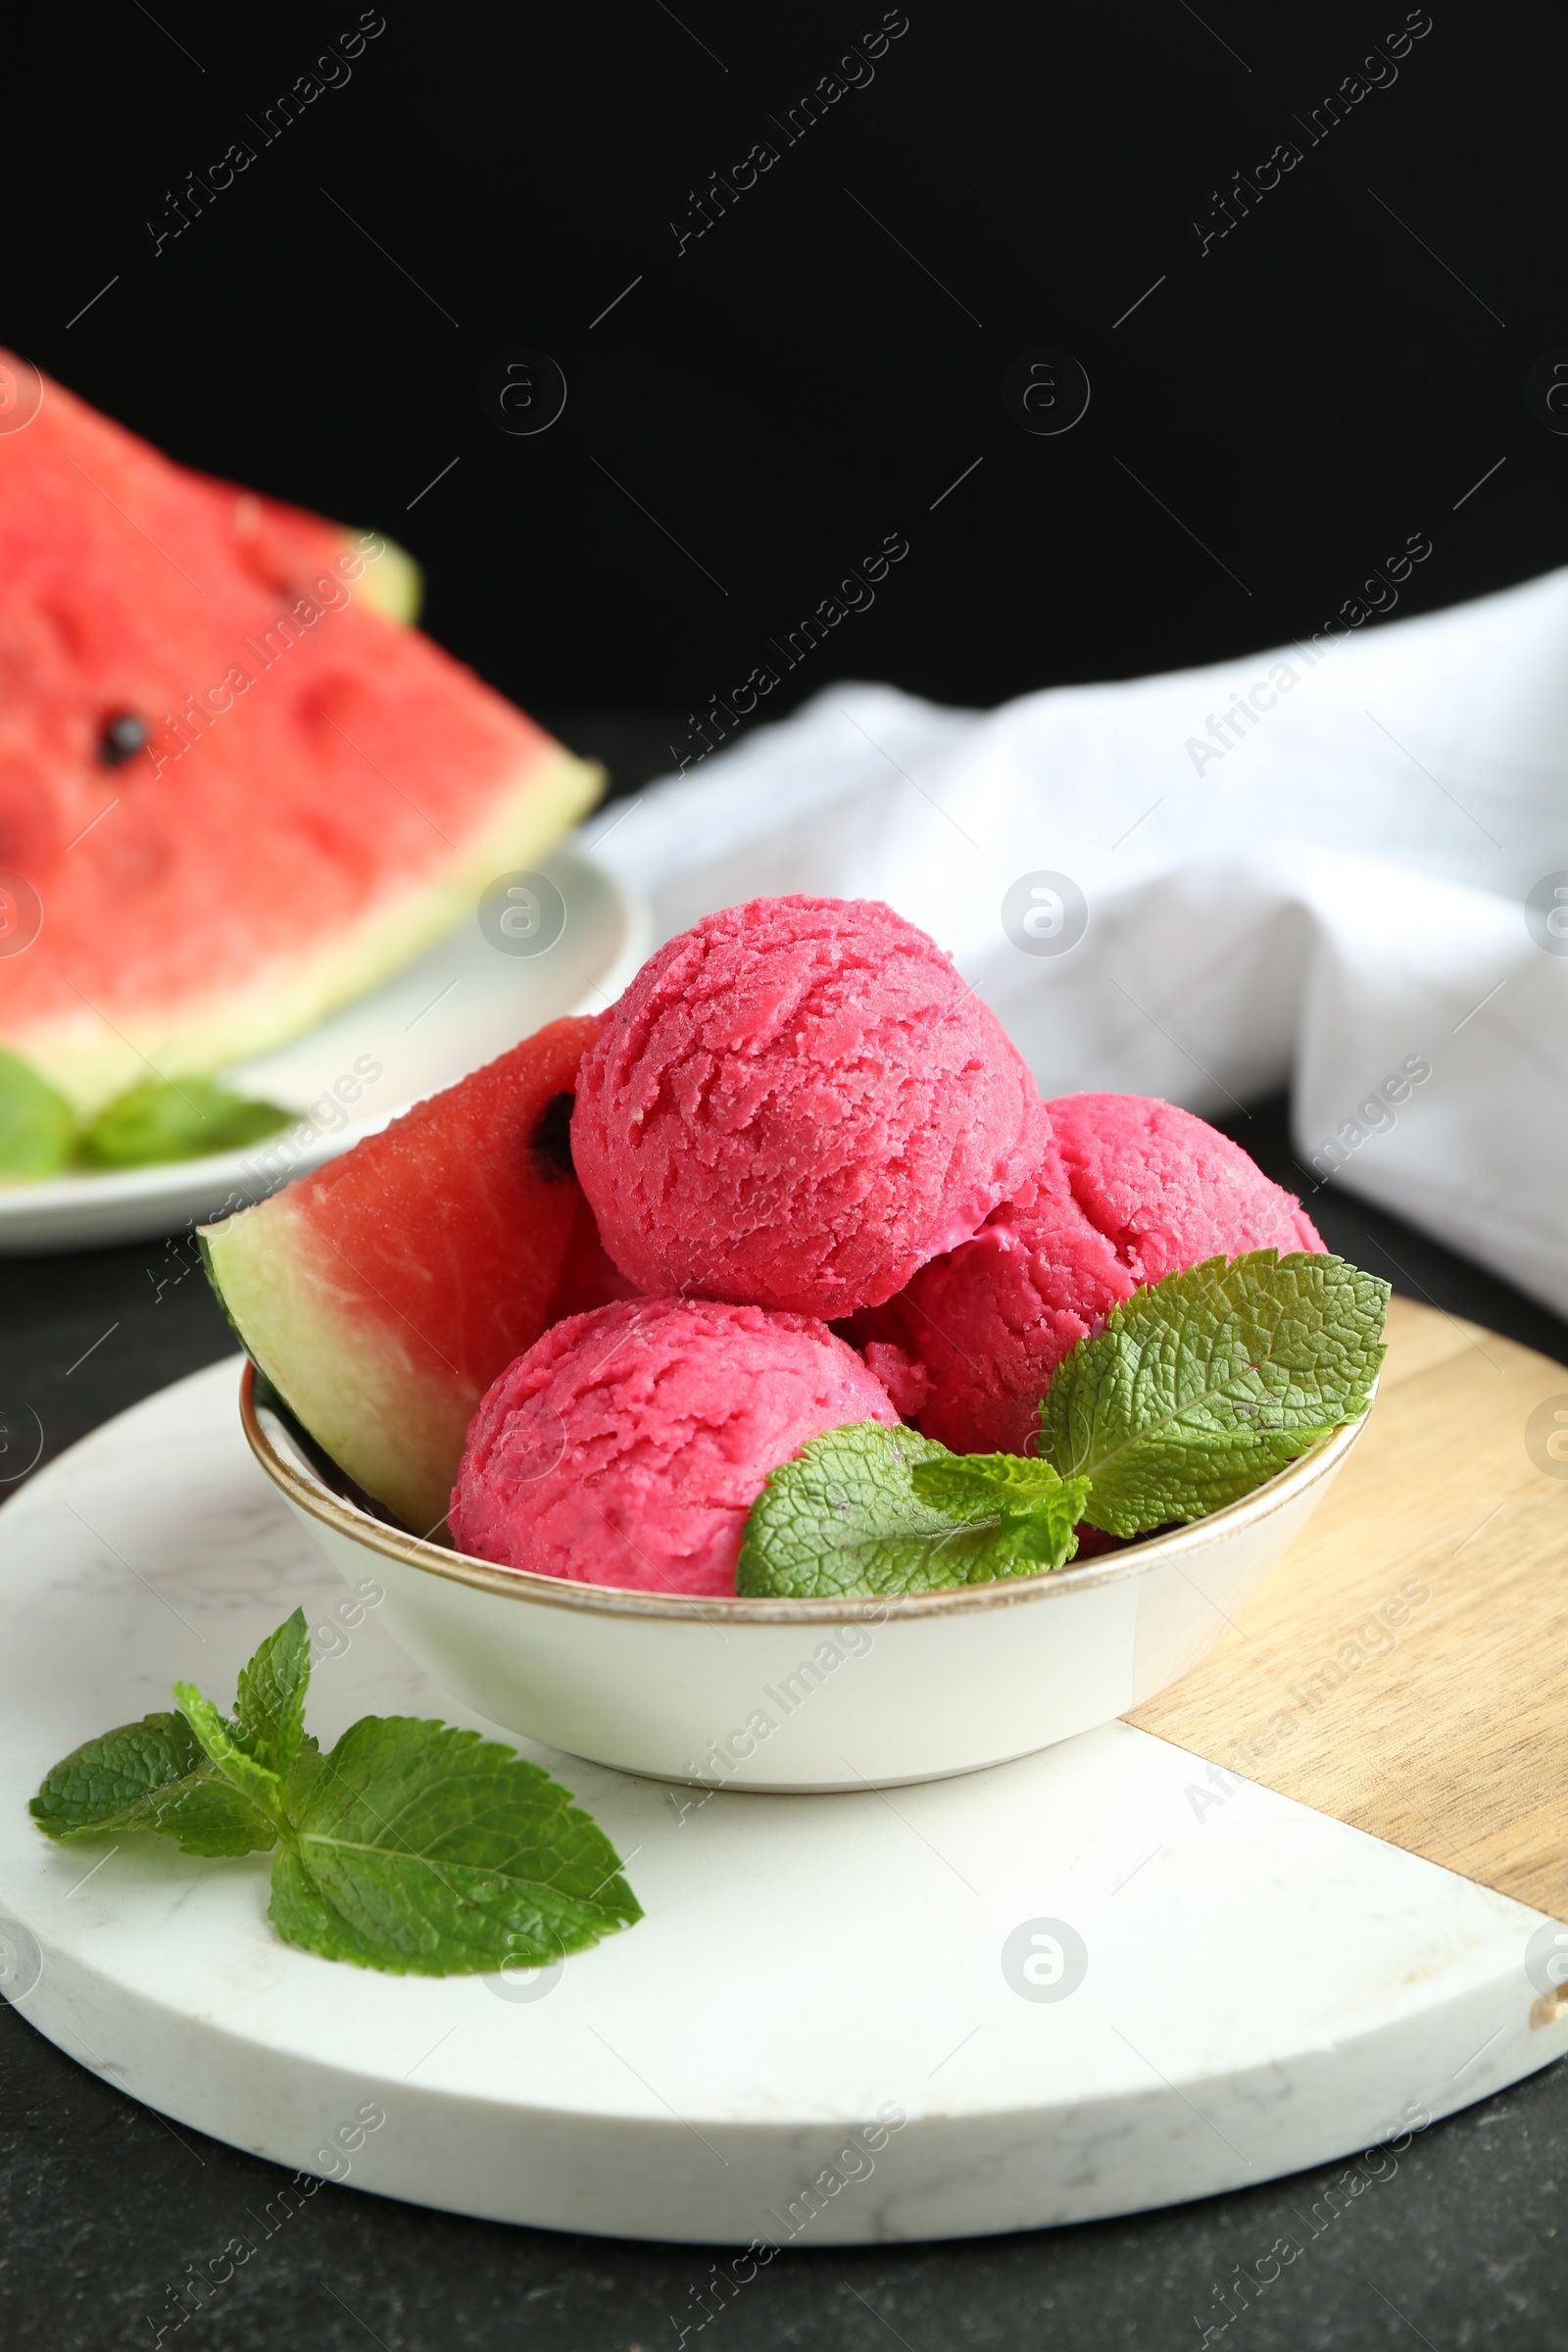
x: 319, y: 1502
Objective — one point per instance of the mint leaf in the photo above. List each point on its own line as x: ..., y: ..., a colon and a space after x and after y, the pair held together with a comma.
x: 424, y: 1850
x: 151, y: 1775
x: 977, y: 1486
x: 164, y: 1118
x: 1203, y: 1386
x: 219, y: 1738
x: 37, y: 1125
x: 1036, y: 1511
x: 269, y: 1702
x: 867, y: 1509
x: 411, y: 1847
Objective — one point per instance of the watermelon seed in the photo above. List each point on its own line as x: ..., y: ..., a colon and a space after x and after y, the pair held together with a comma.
x: 551, y: 1146
x: 123, y: 736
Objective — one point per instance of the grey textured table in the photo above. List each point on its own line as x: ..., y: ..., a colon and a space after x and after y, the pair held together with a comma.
x: 105, y: 2207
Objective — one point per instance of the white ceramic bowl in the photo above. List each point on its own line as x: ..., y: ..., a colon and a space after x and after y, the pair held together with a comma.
x: 807, y: 1694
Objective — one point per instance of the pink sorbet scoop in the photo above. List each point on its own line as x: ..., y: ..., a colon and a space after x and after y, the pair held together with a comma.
x: 628, y: 1446
x: 1130, y: 1190
x: 796, y: 1103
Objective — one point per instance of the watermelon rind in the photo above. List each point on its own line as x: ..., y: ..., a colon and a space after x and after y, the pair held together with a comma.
x: 394, y: 586
x: 366, y: 1406
x: 91, y: 1061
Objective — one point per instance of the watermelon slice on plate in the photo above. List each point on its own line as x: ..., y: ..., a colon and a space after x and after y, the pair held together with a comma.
x: 235, y: 791
x: 382, y: 1294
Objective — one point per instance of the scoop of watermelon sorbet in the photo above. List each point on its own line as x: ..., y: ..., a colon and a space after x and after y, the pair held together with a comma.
x: 628, y: 1446
x: 1129, y: 1189
x: 794, y: 1104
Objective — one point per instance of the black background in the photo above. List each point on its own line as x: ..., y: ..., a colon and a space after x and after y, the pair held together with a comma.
x: 802, y: 381
x: 795, y: 384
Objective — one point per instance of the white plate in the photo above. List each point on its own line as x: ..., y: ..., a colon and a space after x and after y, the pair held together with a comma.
x: 460, y: 1005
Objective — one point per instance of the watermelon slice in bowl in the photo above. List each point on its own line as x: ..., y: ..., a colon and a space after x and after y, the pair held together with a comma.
x: 381, y: 1295
x: 236, y: 791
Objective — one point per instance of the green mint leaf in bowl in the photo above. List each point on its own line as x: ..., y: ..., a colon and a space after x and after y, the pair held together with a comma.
x: 424, y: 1850
x: 867, y: 1509
x: 413, y: 1847
x: 1197, y: 1390
x: 37, y: 1125
x: 1205, y: 1386
x: 980, y: 1485
x: 167, y: 1118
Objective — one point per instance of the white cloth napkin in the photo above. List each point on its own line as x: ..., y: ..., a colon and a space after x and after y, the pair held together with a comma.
x: 1332, y: 891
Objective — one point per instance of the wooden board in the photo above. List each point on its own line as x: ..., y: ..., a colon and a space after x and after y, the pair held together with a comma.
x: 1439, y: 1723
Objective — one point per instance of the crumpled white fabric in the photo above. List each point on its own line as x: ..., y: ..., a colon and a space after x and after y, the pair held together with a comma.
x: 1336, y: 897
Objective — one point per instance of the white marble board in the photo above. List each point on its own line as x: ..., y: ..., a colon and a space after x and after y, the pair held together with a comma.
x: 1263, y: 1988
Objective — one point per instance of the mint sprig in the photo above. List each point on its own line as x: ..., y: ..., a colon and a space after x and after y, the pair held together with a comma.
x: 1195, y: 1391
x: 867, y: 1509
x: 37, y: 1125
x: 413, y: 1846
x: 162, y: 1119
x: 157, y: 1120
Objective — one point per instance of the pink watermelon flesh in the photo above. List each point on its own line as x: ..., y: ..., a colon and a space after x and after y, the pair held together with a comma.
x: 317, y: 794
x: 382, y: 1294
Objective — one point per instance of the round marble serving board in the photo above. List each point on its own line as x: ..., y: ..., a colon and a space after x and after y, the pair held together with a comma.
x: 833, y: 2025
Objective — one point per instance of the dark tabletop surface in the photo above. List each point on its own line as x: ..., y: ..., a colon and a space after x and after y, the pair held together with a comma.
x: 103, y: 2203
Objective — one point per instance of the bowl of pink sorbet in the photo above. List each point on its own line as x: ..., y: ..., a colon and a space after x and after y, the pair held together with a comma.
x: 799, y: 1115
x: 797, y: 1695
